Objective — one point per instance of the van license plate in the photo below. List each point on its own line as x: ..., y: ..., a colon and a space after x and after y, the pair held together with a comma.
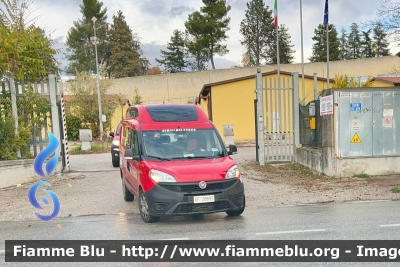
x: 203, y: 199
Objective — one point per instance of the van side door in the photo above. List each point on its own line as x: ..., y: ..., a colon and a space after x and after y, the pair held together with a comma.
x: 124, y: 145
x: 133, y: 165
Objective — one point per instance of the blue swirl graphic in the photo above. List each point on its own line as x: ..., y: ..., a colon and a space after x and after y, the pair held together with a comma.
x: 32, y: 199
x: 44, y: 154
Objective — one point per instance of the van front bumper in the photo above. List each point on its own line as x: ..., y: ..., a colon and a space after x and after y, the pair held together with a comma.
x: 169, y: 199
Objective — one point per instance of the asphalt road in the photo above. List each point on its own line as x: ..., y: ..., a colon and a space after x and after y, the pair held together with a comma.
x: 377, y: 220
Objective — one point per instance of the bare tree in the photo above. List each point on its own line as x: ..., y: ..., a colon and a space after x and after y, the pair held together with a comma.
x: 388, y: 18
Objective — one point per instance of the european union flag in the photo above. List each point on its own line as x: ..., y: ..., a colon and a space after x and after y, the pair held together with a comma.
x: 326, y: 13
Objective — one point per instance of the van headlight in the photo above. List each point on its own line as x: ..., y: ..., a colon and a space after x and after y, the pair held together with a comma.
x: 159, y: 176
x: 233, y: 172
x: 115, y: 142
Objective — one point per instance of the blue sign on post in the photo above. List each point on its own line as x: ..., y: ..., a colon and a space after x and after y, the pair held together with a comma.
x: 355, y: 106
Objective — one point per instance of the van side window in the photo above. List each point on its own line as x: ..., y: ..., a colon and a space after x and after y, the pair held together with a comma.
x: 134, y: 141
x: 125, y: 138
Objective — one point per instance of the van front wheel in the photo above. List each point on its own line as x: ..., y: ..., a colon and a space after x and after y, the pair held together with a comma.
x: 144, y: 209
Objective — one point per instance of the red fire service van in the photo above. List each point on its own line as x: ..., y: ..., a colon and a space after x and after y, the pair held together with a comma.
x: 173, y: 160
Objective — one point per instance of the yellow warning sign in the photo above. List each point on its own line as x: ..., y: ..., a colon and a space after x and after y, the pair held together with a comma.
x: 355, y: 139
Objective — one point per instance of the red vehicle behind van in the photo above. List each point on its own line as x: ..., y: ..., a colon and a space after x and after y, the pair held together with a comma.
x: 115, y: 145
x: 174, y: 161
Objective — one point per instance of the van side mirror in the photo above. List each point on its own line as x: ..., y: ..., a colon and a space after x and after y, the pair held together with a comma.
x: 232, y: 150
x: 130, y: 155
x: 112, y: 134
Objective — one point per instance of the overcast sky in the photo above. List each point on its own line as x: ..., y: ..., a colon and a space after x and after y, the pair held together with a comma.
x: 155, y: 20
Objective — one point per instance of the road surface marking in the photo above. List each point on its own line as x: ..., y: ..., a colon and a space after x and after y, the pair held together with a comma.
x: 178, y: 238
x: 292, y: 232
x: 390, y: 225
x: 368, y: 201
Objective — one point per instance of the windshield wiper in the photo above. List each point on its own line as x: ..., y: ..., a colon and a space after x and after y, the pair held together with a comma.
x: 194, y: 157
x: 165, y: 159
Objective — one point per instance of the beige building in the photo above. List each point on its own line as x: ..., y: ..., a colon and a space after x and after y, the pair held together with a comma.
x: 184, y: 87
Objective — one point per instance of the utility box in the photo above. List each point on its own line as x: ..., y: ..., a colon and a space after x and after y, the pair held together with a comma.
x: 312, y: 123
x: 368, y: 121
x: 85, y: 136
x: 228, y: 133
x: 312, y: 109
x: 228, y: 130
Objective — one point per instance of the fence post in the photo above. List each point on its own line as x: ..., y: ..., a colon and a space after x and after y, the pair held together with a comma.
x: 55, y: 117
x: 260, y: 118
x: 64, y: 130
x: 296, y: 111
x: 315, y: 87
x: 14, y: 110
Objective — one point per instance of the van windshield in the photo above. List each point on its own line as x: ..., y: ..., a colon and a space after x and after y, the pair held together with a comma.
x: 182, y: 144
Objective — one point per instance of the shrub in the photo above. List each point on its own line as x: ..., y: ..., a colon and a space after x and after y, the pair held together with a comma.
x: 9, y: 143
x: 74, y: 123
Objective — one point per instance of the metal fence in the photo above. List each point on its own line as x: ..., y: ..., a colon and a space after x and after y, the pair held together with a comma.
x: 276, y: 119
x: 31, y: 110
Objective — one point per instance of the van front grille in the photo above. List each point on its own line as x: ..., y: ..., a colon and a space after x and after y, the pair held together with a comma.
x: 194, y: 187
x: 202, y: 207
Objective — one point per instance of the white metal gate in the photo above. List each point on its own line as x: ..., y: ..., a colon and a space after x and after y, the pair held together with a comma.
x: 277, y: 118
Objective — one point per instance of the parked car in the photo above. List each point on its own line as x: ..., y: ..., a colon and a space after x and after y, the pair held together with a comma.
x: 174, y: 162
x: 115, y: 145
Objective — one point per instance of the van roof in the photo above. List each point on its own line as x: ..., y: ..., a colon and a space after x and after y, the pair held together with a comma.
x: 160, y: 116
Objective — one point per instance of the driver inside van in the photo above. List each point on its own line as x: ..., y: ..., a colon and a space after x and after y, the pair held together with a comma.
x: 193, y: 143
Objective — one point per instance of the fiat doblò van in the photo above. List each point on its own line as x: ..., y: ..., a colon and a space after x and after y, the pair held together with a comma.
x: 173, y: 160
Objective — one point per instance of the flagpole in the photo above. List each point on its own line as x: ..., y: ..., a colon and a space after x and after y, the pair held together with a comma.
x: 327, y: 55
x: 326, y: 22
x: 302, y: 54
x: 276, y: 24
x: 277, y: 55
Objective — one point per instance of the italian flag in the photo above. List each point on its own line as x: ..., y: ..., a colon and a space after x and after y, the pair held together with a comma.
x: 276, y: 13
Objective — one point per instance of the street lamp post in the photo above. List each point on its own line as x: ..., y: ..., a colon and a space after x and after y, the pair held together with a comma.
x: 95, y: 40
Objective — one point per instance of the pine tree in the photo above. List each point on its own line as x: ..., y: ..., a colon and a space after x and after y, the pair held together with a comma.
x: 366, y: 44
x: 343, y: 45
x: 285, y: 47
x: 380, y: 42
x: 354, y: 41
x: 80, y: 49
x: 174, y: 59
x: 209, y: 27
x: 125, y: 58
x: 257, y: 30
x: 319, y: 47
x: 197, y: 52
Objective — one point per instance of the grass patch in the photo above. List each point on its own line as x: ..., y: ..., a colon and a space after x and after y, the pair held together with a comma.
x: 96, y: 148
x: 395, y: 189
x: 280, y: 170
x: 361, y: 175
